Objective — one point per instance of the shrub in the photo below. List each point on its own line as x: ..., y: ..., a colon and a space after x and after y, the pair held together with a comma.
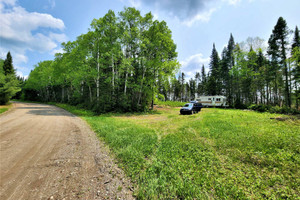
x: 273, y: 109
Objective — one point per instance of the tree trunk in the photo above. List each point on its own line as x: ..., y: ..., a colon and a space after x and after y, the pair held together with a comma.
x: 125, y: 87
x: 152, y: 102
x: 142, y: 82
x: 290, y: 83
x: 62, y: 94
x: 267, y: 93
x: 113, y: 75
x: 82, y: 84
x: 98, y: 78
x: 296, y: 94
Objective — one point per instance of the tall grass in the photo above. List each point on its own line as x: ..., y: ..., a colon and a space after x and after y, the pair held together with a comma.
x: 216, y: 154
x: 171, y: 103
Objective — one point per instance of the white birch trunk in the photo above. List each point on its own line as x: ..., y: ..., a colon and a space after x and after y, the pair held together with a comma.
x: 98, y: 78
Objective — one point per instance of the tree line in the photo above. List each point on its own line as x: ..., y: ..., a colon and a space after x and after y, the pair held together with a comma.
x: 117, y: 65
x: 126, y: 62
x: 246, y: 75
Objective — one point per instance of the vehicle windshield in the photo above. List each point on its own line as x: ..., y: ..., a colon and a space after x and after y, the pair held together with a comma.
x: 188, y: 105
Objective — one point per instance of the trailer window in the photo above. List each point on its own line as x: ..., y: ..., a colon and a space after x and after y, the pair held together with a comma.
x: 209, y: 99
x: 218, y: 99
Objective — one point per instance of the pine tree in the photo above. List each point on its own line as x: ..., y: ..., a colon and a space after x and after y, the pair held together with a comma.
x: 9, y: 85
x: 230, y: 63
x: 192, y: 86
x: 8, y: 66
x: 203, y: 88
x: 296, y: 40
x: 197, y: 83
x: 182, y: 88
x: 224, y: 67
x: 281, y: 33
x: 214, y: 78
x: 296, y: 63
x: 261, y: 77
x: 273, y: 67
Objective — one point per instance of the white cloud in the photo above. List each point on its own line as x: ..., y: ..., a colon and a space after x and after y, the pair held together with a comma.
x: 232, y: 2
x: 19, y: 73
x: 55, y: 51
x: 135, y: 3
x: 193, y: 64
x: 59, y: 37
x: 204, y: 17
x: 20, y: 31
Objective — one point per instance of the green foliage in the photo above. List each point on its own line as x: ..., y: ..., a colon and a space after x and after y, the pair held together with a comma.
x: 8, y: 66
x: 114, y: 67
x: 273, y: 109
x: 214, y: 80
x: 9, y: 85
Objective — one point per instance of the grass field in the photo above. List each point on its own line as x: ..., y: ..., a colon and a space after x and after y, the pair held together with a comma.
x: 215, y: 154
x: 4, y: 108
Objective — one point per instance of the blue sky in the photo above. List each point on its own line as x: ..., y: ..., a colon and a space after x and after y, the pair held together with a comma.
x: 32, y: 30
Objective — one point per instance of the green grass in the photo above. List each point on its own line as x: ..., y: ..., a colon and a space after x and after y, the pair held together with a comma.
x: 171, y: 103
x: 215, y: 154
x: 4, y: 108
x: 218, y: 153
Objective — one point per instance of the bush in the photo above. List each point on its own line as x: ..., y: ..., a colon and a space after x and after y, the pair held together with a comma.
x: 239, y: 105
x: 273, y: 109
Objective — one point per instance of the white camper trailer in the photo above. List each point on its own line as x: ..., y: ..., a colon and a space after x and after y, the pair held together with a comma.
x: 209, y: 101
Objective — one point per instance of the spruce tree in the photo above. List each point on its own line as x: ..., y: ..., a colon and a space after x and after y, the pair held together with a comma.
x: 273, y: 67
x: 230, y: 63
x: 9, y: 85
x: 214, y: 79
x: 8, y: 66
x: 281, y: 33
x: 296, y: 40
x: 296, y: 59
x: 203, y: 81
x: 224, y: 72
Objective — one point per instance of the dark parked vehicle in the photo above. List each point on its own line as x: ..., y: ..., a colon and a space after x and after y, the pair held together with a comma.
x: 191, y: 108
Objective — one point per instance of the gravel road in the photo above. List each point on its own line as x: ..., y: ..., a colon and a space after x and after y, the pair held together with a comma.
x: 48, y: 153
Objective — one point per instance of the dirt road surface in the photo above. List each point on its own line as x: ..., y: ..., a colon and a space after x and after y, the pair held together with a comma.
x: 48, y: 153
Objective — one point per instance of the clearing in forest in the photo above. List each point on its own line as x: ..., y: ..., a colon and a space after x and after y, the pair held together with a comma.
x: 217, y: 153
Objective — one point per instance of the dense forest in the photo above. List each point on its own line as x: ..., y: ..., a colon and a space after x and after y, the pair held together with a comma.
x: 127, y: 61
x: 246, y: 75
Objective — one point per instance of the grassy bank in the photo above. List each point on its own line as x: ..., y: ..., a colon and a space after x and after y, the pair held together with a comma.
x: 4, y: 108
x: 217, y: 153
